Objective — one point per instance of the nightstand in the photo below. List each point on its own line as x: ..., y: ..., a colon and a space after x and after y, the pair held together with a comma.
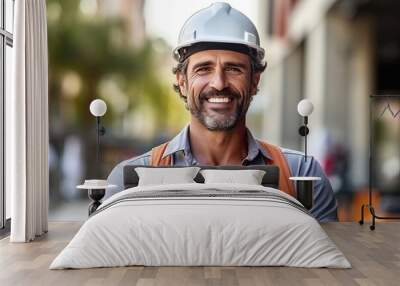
x: 96, y: 191
x: 304, y: 189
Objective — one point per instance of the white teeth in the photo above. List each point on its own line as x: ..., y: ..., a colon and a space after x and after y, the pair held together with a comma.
x: 219, y: 99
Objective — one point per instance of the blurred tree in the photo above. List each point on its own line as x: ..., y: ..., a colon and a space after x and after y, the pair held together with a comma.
x: 83, y: 52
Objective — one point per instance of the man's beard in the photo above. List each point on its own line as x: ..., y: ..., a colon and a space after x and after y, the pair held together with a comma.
x: 219, y: 122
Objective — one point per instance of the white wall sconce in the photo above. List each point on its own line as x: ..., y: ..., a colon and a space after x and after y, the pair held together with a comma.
x: 98, y: 108
x: 305, y: 108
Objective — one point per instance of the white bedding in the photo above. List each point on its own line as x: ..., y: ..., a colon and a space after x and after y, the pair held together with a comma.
x: 225, y: 225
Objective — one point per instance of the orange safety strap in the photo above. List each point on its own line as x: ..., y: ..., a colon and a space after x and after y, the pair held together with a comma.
x: 278, y: 159
x: 157, y: 156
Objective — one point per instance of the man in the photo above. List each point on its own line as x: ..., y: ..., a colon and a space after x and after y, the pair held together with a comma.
x: 219, y: 66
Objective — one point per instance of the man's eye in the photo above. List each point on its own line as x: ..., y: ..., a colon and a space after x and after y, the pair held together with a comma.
x: 233, y: 69
x: 203, y: 70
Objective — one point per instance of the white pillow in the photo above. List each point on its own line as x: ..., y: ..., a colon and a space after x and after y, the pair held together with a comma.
x: 162, y: 176
x: 249, y: 177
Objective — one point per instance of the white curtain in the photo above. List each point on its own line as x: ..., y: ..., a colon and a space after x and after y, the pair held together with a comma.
x: 27, y: 124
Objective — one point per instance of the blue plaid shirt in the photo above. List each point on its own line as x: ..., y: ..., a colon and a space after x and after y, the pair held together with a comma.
x: 325, y: 205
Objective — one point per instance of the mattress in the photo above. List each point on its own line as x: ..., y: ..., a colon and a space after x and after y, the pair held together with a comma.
x: 201, y: 225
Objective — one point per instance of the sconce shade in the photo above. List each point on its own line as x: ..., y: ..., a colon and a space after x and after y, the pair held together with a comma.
x: 305, y: 107
x: 98, y: 107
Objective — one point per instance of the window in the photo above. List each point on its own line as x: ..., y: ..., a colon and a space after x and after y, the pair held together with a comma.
x: 6, y: 44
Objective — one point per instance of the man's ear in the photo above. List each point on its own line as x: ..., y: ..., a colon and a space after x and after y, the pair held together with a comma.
x: 181, y: 80
x: 254, y: 83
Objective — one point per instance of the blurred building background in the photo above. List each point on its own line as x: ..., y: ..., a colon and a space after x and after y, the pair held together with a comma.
x: 335, y: 53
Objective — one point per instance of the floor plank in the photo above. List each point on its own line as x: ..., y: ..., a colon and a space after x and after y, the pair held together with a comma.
x: 375, y: 257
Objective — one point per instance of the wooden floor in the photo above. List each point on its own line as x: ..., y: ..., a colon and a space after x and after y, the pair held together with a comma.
x: 375, y: 256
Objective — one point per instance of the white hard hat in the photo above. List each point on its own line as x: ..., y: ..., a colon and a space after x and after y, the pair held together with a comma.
x: 218, y: 24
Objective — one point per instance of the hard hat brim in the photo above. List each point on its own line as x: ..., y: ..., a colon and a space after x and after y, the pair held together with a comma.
x: 217, y: 44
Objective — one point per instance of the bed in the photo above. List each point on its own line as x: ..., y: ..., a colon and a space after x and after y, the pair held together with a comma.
x: 201, y: 224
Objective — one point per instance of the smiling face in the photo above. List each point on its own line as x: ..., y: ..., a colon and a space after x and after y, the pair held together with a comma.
x: 219, y: 86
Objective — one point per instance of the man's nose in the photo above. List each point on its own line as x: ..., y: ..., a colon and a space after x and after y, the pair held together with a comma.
x: 218, y: 81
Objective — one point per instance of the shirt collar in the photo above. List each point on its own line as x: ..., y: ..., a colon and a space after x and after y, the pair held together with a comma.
x: 181, y: 142
x: 255, y: 148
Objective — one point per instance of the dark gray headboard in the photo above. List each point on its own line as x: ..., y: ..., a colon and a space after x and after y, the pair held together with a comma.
x: 270, y: 179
